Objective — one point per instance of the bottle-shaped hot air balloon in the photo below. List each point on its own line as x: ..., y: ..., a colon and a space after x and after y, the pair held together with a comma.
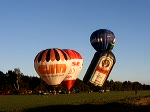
x: 100, y: 68
x: 52, y: 65
x: 102, y: 40
x: 76, y: 67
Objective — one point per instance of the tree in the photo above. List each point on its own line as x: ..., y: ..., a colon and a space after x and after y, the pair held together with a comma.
x: 107, y: 85
x: 18, y: 77
x: 137, y: 86
x: 14, y: 79
x: 2, y: 81
x: 80, y: 86
x: 111, y: 83
x: 117, y: 86
x: 146, y: 87
x: 125, y: 85
x: 34, y: 82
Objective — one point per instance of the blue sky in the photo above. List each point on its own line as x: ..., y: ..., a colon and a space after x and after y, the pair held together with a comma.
x: 29, y: 26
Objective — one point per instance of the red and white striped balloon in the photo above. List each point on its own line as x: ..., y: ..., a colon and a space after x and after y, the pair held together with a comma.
x: 76, y: 67
x: 52, y: 65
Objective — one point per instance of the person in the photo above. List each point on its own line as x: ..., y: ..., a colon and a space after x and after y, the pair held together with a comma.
x: 135, y: 92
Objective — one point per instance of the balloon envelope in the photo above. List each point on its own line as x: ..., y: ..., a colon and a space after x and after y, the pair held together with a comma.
x: 52, y: 65
x: 100, y: 39
x: 76, y: 67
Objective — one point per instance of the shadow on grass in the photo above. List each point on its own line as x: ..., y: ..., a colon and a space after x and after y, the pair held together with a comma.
x: 111, y: 107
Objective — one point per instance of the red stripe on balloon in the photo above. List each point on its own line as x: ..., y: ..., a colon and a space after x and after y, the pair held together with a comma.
x: 52, y: 55
x: 73, y: 54
x: 44, y: 56
x: 68, y: 83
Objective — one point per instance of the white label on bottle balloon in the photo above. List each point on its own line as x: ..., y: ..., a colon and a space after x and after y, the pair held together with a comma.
x: 101, y: 71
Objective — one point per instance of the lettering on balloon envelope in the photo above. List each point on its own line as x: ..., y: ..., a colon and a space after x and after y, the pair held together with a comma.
x: 52, y: 69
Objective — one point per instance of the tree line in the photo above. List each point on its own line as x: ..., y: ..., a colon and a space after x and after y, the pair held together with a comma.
x: 15, y: 82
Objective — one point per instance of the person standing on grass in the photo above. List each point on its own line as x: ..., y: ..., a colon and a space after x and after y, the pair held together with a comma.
x: 135, y: 92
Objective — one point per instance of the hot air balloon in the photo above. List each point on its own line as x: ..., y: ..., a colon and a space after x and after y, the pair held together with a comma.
x: 52, y: 65
x: 102, y: 39
x: 100, y: 68
x: 76, y: 67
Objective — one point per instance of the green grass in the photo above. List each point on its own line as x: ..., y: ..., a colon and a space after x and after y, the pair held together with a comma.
x: 117, y: 101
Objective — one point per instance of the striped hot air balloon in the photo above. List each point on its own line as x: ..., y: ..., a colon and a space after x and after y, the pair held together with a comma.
x: 76, y: 67
x: 52, y: 65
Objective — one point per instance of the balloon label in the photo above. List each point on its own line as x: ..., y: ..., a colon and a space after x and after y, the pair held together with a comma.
x: 75, y: 63
x: 101, y: 71
x: 75, y: 69
x: 52, y: 69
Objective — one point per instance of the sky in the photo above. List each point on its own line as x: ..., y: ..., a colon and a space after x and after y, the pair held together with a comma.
x: 30, y: 26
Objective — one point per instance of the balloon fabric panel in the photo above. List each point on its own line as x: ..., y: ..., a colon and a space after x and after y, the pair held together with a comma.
x: 44, y: 56
x: 47, y: 55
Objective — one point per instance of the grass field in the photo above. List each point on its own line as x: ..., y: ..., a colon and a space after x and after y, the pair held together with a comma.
x: 91, y: 102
